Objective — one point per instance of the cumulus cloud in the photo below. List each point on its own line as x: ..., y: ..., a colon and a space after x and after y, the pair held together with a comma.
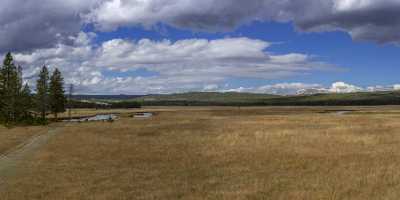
x: 50, y: 32
x: 299, y: 89
x: 27, y: 25
x: 380, y: 88
x: 220, y: 58
x: 337, y: 87
x: 177, y: 66
x: 181, y: 66
x: 342, y: 87
x: 362, y: 19
x: 286, y: 88
x: 307, y: 89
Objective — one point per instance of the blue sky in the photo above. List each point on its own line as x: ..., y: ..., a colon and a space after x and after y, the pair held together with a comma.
x: 363, y: 63
x: 162, y: 46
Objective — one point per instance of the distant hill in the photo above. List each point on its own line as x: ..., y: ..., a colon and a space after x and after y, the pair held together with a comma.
x: 208, y: 97
x: 105, y: 97
x: 251, y: 99
x: 348, y: 99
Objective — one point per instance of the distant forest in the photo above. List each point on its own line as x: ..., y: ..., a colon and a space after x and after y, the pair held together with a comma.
x: 250, y: 99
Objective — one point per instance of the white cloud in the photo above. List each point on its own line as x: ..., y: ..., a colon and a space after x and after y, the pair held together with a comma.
x: 278, y: 89
x: 341, y: 87
x: 396, y: 87
x: 29, y: 25
x: 185, y: 65
x: 286, y: 88
x: 360, y: 18
x: 210, y: 87
x: 177, y: 66
x: 308, y: 89
x: 380, y: 88
x: 300, y: 88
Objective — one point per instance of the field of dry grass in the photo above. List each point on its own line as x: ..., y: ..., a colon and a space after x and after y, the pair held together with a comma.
x: 217, y: 153
x: 10, y: 138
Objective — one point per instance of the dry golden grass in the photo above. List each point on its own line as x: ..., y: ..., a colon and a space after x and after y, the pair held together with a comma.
x: 220, y: 153
x: 10, y: 138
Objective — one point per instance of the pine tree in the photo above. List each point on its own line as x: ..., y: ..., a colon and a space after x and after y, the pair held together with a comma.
x: 15, y: 100
x: 57, y: 93
x: 26, y: 101
x: 42, y: 92
x: 10, y: 88
x: 2, y: 93
x: 6, y: 73
x: 19, y: 100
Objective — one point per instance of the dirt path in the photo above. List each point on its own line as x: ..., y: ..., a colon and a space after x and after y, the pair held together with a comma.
x: 10, y: 160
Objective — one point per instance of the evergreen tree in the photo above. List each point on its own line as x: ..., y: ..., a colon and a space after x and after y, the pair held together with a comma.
x: 42, y: 92
x: 19, y: 100
x: 26, y: 101
x: 16, y: 100
x: 10, y: 88
x: 57, y: 93
x: 2, y: 94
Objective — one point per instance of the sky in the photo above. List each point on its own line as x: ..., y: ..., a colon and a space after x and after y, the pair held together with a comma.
x: 172, y: 46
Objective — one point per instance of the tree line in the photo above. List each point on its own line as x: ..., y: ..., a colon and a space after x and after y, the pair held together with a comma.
x: 17, y: 102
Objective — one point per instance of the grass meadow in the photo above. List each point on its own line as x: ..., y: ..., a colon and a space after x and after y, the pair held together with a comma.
x: 214, y: 153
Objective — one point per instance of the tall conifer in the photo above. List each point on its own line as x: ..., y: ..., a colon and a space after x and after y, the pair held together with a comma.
x: 10, y: 88
x: 57, y: 93
x: 42, y: 92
